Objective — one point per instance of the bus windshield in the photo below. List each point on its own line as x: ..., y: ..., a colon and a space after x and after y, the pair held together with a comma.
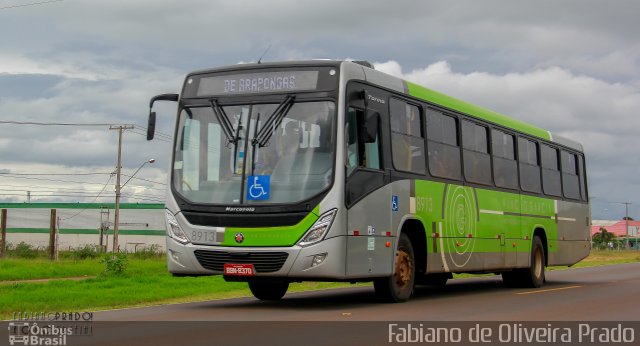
x: 292, y: 162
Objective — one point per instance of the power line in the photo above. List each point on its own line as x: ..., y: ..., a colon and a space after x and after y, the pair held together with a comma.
x: 158, y: 138
x: 163, y: 136
x: 53, y: 195
x: 157, y: 133
x: 95, y: 173
x: 12, y: 122
x: 30, y: 4
x: 151, y: 181
x: 65, y: 190
x: 75, y: 181
x: 36, y: 187
x: 151, y: 199
x: 99, y: 193
x: 53, y: 180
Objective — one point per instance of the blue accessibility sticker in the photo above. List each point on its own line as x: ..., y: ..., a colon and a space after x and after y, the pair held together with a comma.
x: 258, y: 187
x: 394, y: 203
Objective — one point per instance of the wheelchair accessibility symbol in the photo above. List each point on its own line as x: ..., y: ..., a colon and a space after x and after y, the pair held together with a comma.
x: 394, y: 203
x: 258, y: 187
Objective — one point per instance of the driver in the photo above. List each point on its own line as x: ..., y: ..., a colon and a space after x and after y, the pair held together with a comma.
x: 286, y: 142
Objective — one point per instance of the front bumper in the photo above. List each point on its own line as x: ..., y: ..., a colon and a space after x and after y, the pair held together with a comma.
x: 182, y: 259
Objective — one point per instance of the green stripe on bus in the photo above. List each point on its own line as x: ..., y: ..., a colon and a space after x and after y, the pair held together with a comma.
x: 153, y: 232
x: 80, y: 205
x: 475, y: 111
x: 271, y: 236
x: 468, y: 219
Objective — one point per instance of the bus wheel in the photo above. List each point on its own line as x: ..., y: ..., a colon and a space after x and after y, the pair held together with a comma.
x: 268, y: 290
x: 399, y: 287
x: 532, y: 277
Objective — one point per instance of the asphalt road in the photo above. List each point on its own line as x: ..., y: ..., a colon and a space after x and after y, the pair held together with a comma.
x: 578, y: 300
x: 607, y: 293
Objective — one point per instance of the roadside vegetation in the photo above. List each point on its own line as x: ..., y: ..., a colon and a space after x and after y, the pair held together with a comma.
x: 85, y: 279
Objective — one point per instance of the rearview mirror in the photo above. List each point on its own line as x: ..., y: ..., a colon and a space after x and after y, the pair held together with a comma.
x: 151, y: 126
x: 163, y: 97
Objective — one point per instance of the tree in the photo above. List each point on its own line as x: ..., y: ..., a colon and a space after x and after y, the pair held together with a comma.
x: 628, y: 218
x: 603, y: 237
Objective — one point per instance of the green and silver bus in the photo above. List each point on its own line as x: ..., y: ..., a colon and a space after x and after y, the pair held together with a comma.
x: 334, y: 171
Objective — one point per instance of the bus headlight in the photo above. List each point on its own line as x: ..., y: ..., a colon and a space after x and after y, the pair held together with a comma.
x: 319, y: 229
x: 174, y: 231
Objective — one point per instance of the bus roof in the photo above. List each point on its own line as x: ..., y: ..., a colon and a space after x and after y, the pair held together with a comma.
x: 475, y: 111
x: 455, y: 104
x: 418, y: 91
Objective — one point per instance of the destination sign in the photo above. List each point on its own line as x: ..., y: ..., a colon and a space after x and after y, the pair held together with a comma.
x: 263, y: 82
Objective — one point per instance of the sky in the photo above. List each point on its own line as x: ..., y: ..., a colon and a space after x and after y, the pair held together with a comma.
x: 571, y: 67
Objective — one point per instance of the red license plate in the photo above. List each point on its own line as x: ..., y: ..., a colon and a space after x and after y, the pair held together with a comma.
x: 239, y: 269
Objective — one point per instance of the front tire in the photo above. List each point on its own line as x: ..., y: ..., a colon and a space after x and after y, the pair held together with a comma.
x: 268, y: 290
x: 399, y: 287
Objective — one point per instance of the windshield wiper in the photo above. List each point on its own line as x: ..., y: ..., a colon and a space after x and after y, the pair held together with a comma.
x: 253, y: 147
x: 262, y: 137
x: 224, y: 121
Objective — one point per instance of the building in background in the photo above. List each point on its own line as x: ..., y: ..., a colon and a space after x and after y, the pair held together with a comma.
x: 81, y: 224
x: 627, y: 232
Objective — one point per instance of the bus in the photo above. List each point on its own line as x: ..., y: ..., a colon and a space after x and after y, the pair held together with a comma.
x: 334, y: 171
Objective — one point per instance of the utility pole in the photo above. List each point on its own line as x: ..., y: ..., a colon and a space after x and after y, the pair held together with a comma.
x: 120, y: 129
x: 626, y: 218
x: 28, y: 196
x: 104, y: 228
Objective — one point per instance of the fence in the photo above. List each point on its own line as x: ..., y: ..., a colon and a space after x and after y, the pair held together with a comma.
x: 79, y: 224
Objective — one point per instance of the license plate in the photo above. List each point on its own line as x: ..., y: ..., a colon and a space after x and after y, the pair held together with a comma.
x: 239, y: 269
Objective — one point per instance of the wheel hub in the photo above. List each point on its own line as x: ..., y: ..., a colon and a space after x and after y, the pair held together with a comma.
x: 404, y: 268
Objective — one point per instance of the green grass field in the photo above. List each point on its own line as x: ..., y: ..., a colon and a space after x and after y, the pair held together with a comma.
x: 145, y: 282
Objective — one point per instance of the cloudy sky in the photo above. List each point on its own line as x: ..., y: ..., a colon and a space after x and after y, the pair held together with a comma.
x: 572, y: 67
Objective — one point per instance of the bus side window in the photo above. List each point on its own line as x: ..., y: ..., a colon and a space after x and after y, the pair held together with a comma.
x: 443, y: 148
x: 529, y: 165
x: 475, y: 153
x: 360, y: 154
x: 583, y: 180
x: 407, y: 140
x: 570, y: 180
x: 505, y: 166
x: 550, y: 171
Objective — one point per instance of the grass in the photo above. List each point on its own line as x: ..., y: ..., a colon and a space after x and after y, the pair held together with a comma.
x: 607, y: 257
x: 21, y: 269
x: 145, y: 282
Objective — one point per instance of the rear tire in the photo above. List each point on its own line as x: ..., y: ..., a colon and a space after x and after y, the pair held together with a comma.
x: 268, y: 290
x: 399, y: 286
x: 532, y: 277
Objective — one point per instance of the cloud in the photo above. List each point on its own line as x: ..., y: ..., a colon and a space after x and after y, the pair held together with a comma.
x: 583, y: 36
x: 571, y: 66
x: 601, y: 115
